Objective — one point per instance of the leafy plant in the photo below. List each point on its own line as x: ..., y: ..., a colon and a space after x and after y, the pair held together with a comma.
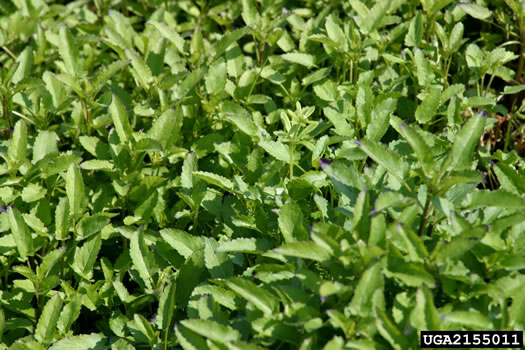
x: 258, y: 174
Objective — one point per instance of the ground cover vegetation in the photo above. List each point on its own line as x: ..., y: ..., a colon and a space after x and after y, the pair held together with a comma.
x: 221, y: 174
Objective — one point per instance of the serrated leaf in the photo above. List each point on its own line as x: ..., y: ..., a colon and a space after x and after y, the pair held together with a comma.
x: 96, y: 164
x: 171, y: 35
x: 18, y: 145
x: 93, y: 341
x: 86, y: 256
x: 371, y: 280
x: 426, y: 111
x: 465, y: 142
x: 20, y: 232
x: 189, y: 82
x: 142, y: 257
x: 259, y: 297
x: 70, y: 313
x: 218, y: 263
x: 303, y: 59
x: 291, y: 222
x: 509, y: 178
x: 475, y: 10
x: 62, y: 218
x: 249, y: 13
x: 379, y: 123
x: 374, y: 16
x: 140, y: 69
x: 56, y: 88
x: 386, y: 157
x: 277, y: 150
x: 245, y: 245
x: 212, y: 330
x: 420, y: 148
x: 424, y: 316
x: 69, y: 53
x: 216, y: 77
x: 215, y: 179
x: 190, y: 275
x: 89, y: 225
x: 496, y: 198
x: 472, y: 319
x: 166, y: 308
x: 305, y: 250
x: 119, y: 115
x: 228, y: 39
x: 33, y: 192
x: 244, y: 124
x: 107, y: 73
x: 75, y: 192
x: 45, y: 143
x: 47, y: 323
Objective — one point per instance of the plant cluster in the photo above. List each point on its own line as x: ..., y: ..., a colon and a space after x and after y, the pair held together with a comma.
x: 222, y: 174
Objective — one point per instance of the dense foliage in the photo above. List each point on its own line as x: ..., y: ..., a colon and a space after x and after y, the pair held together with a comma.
x: 223, y: 174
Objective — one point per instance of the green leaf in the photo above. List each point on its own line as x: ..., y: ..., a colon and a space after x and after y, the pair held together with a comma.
x: 496, y: 198
x: 70, y: 313
x: 424, y: 316
x: 334, y: 31
x: 18, y: 145
x: 472, y: 319
x: 212, y: 330
x: 215, y: 179
x: 142, y: 257
x: 166, y: 308
x: 420, y: 148
x: 62, y: 218
x: 245, y: 245
x: 379, y: 123
x: 119, y: 115
x: 424, y: 72
x: 170, y: 35
x: 459, y: 244
x: 374, y: 16
x: 20, y: 232
x: 385, y: 157
x: 86, y: 256
x: 140, y: 70
x: 190, y: 276
x: 305, y: 250
x: 184, y: 243
x: 415, y: 31
x: 165, y: 128
x: 218, y: 263
x: 277, y: 150
x: 326, y: 91
x: 33, y: 192
x: 426, y: 111
x: 75, y: 192
x: 45, y: 143
x: 25, y: 63
x: 56, y: 88
x: 228, y: 39
x: 303, y: 59
x: 189, y: 82
x: 259, y: 297
x: 47, y: 323
x: 371, y: 280
x: 216, y: 77
x: 475, y: 10
x: 465, y: 142
x: 245, y: 124
x: 249, y: 13
x: 509, y: 178
x: 291, y: 222
x: 69, y: 53
x: 93, y: 341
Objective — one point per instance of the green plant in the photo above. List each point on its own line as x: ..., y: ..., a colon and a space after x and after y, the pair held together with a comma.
x: 258, y: 174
